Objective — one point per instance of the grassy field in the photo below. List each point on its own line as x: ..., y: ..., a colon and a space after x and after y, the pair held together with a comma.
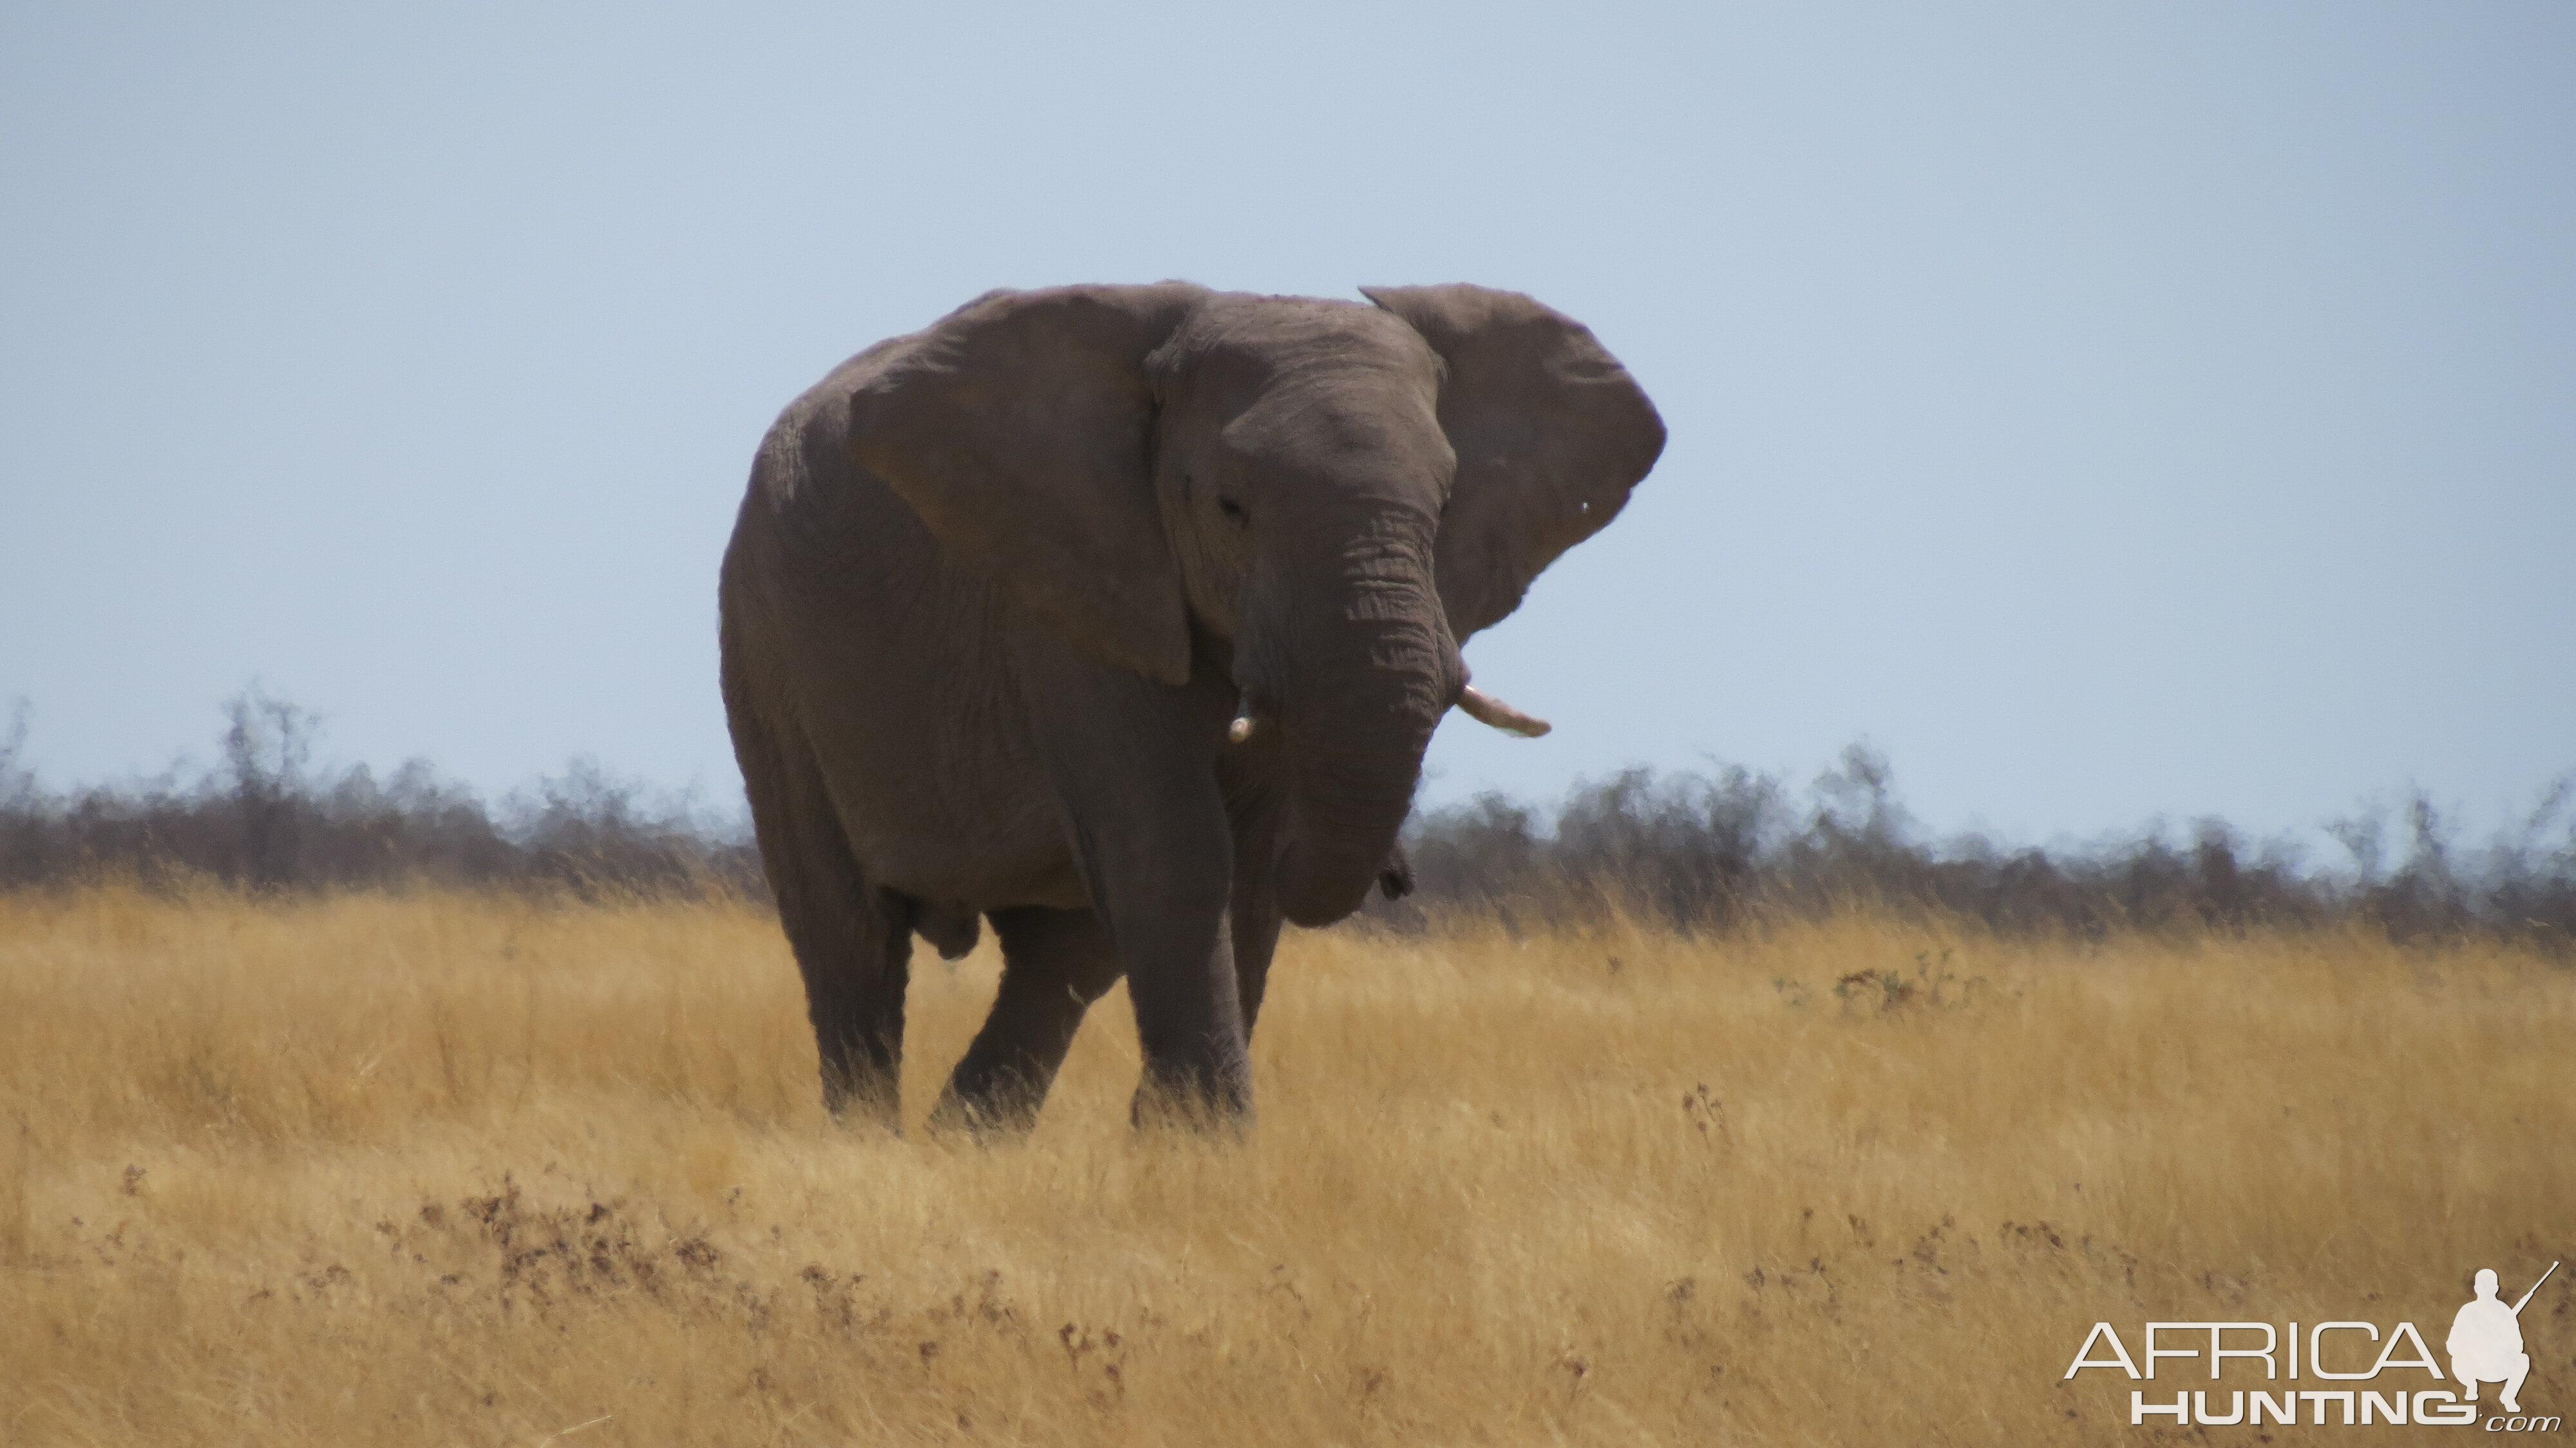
x: 457, y: 1170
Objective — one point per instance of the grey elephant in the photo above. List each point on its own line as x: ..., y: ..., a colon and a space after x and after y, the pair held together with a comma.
x: 1121, y: 616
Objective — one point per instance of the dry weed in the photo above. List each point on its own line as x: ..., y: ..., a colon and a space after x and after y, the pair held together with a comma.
x: 389, y: 1169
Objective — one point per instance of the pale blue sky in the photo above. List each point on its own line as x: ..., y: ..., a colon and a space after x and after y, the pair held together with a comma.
x: 2107, y: 410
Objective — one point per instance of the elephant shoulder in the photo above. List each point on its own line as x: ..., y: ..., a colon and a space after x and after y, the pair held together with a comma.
x: 809, y: 443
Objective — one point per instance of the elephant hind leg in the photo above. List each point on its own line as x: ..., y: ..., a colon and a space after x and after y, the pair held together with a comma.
x: 1055, y: 963
x: 852, y: 940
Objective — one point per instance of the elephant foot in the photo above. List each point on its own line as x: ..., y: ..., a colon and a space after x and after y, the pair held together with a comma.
x: 858, y: 1121
x: 863, y: 1100
x: 1193, y: 1105
x: 980, y: 1123
x: 1157, y: 1115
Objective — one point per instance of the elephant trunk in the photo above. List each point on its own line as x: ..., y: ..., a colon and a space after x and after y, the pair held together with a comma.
x: 1371, y: 688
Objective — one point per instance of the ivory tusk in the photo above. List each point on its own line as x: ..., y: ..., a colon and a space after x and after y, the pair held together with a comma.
x: 1241, y: 728
x: 1485, y: 709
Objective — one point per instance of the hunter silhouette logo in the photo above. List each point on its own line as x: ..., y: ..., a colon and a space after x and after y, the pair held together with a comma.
x: 2486, y: 1341
x: 2272, y: 1362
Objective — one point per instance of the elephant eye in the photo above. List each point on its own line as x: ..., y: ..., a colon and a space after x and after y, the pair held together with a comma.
x: 1231, y: 509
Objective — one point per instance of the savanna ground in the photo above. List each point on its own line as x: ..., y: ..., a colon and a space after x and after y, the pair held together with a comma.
x: 471, y: 1170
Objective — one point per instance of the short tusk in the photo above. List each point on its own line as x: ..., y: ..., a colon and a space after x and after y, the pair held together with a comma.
x: 1241, y: 729
x: 1484, y: 708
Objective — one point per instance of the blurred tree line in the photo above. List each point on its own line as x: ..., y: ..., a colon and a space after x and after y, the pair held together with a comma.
x: 1720, y: 851
x: 1694, y: 852
x: 263, y: 818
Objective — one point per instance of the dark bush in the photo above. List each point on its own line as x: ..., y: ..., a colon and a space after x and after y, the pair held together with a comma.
x: 1704, y: 853
x: 264, y: 819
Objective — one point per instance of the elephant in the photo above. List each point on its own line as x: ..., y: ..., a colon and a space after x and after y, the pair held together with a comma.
x: 1121, y: 616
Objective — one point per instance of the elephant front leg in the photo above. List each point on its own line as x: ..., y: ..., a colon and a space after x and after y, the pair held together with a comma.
x: 1190, y: 1024
x: 1162, y: 876
x: 1133, y: 763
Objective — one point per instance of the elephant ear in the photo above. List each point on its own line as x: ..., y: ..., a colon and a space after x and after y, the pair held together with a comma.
x: 1550, y: 431
x: 1018, y: 427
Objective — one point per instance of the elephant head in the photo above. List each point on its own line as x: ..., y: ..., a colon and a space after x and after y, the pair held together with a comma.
x: 1319, y: 500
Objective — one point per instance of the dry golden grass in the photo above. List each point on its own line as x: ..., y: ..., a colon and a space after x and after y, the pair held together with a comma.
x: 466, y: 1171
